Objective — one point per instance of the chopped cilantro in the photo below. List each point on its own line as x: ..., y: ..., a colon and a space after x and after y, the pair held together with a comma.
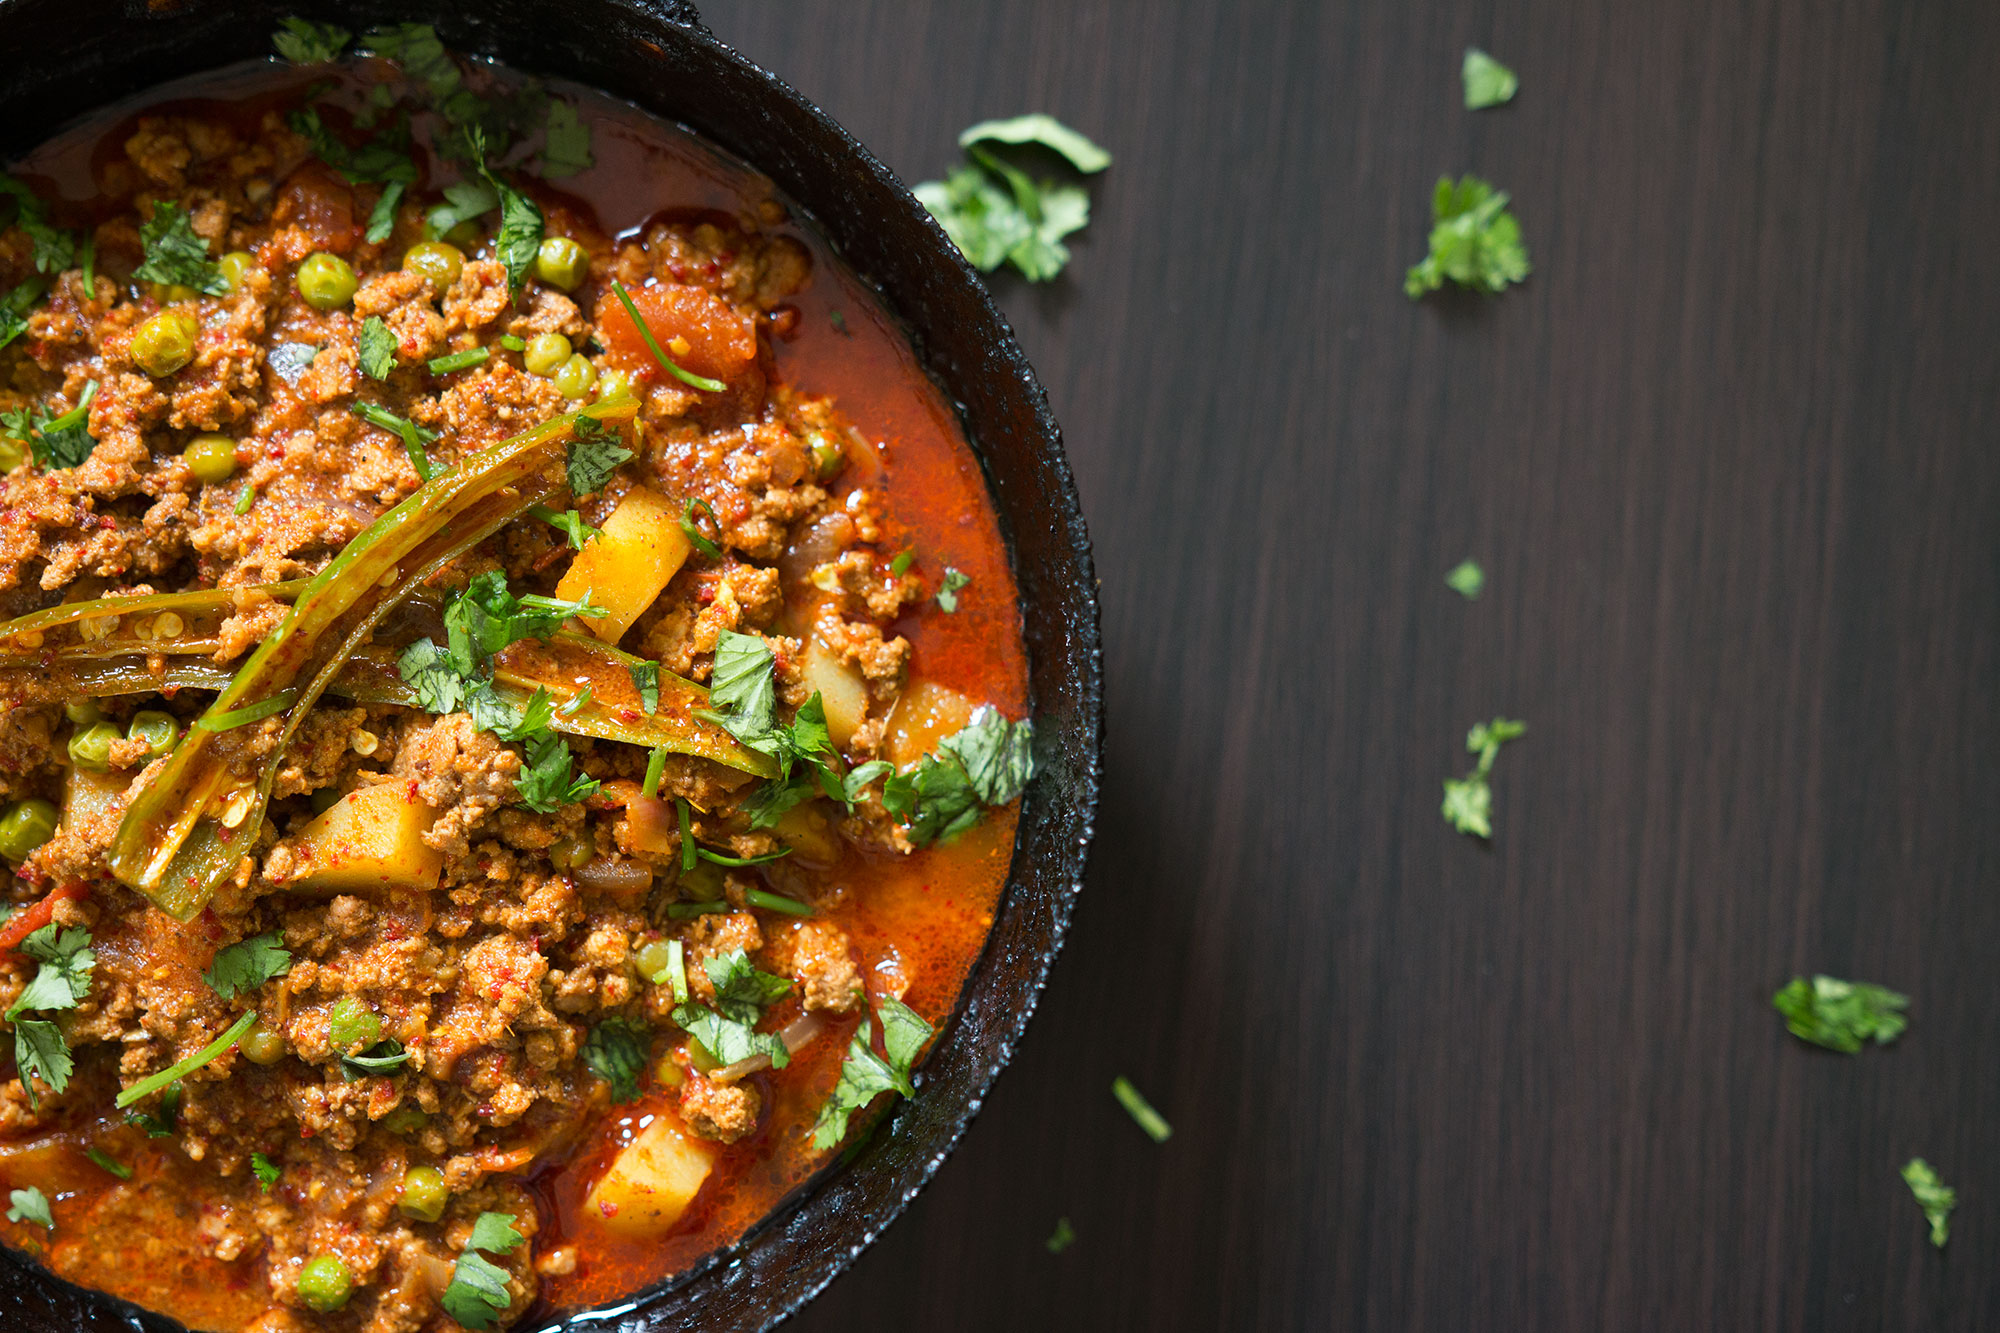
x: 520, y: 235
x: 487, y: 616
x: 377, y: 347
x: 1062, y: 1237
x: 1487, y: 81
x: 1841, y: 1015
x: 174, y: 254
x: 988, y: 763
x: 40, y: 1051
x: 478, y: 1291
x: 30, y: 1205
x: 646, y: 680
x: 14, y: 309
x: 729, y: 1040
x: 570, y: 523
x: 266, y: 1171
x: 1468, y: 801
x: 62, y: 440
x: 565, y: 142
x: 546, y: 783
x: 303, y: 42
x: 742, y: 992
x: 616, y: 1052
x: 384, y: 1057
x: 593, y: 456
x: 66, y: 962
x: 1141, y: 1110
x: 863, y: 1074
x: 1933, y: 1196
x: 901, y: 564
x: 1466, y: 579
x: 55, y: 248
x: 692, y: 530
x: 456, y: 361
x: 248, y: 964
x: 382, y: 217
x: 160, y: 1125
x: 464, y: 200
x: 245, y: 498
x: 108, y: 1163
x: 1475, y: 241
x: 740, y: 685
x: 416, y: 48
x: 947, y: 594
x: 1043, y: 129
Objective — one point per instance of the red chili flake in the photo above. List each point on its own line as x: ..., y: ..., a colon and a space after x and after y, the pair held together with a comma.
x: 628, y: 715
x: 485, y: 1110
x: 705, y: 595
x: 274, y: 450
x: 679, y: 270
x: 607, y: 1207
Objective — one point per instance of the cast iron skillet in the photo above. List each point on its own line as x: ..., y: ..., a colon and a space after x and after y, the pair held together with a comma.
x: 76, y: 55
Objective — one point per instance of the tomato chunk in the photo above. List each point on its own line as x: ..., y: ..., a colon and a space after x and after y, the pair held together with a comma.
x: 320, y: 204
x: 36, y: 915
x: 697, y: 329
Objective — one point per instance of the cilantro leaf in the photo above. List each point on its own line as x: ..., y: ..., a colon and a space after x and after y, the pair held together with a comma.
x: 1040, y: 128
x: 266, y: 1170
x: 592, y: 457
x: 478, y: 1291
x: 160, y: 1126
x: 464, y: 200
x: 377, y: 347
x: 248, y: 964
x: 646, y: 680
x: 728, y: 1039
x: 1474, y: 242
x: 947, y: 594
x: 39, y: 1049
x: 1467, y: 579
x: 1933, y: 1196
x: 416, y: 48
x: 303, y: 42
x: 60, y: 441
x: 55, y: 248
x: 565, y: 142
x: 14, y: 309
x: 546, y: 783
x: 1022, y: 224
x: 384, y: 1057
x: 1841, y: 1015
x: 175, y: 256
x: 864, y: 1074
x: 520, y: 235
x: 382, y: 160
x: 988, y: 762
x: 1468, y: 801
x: 740, y: 688
x: 63, y: 978
x: 860, y: 776
x: 427, y: 667
x: 109, y: 1163
x: 30, y: 1205
x: 742, y: 993
x: 1487, y: 81
x: 616, y: 1052
x: 382, y: 217
x: 1062, y: 1237
x: 487, y: 616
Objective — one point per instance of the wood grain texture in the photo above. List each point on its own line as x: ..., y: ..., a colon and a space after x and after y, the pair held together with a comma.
x: 1732, y: 461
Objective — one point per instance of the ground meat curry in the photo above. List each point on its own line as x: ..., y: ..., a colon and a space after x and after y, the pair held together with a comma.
x: 510, y: 698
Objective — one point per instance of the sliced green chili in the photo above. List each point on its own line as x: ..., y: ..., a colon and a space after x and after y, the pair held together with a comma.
x: 656, y: 768
x: 244, y: 716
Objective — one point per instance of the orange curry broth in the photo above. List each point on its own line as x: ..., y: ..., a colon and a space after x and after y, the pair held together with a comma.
x: 920, y: 919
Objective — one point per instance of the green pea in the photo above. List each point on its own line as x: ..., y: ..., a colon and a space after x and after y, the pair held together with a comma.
x: 573, y: 851
x: 653, y: 958
x: 236, y: 266
x: 171, y: 293
x: 262, y: 1046
x: 466, y: 235
x: 165, y: 343
x: 159, y: 730
x: 212, y: 458
x: 91, y: 747
x: 545, y: 353
x: 575, y: 376
x: 25, y: 826
x: 613, y: 384
x: 83, y: 712
x: 12, y: 454
x: 404, y: 1120
x: 828, y: 457
x: 326, y: 281
x: 325, y: 1283
x: 562, y: 263
x: 436, y: 261
x: 352, y: 1025
x: 424, y: 1194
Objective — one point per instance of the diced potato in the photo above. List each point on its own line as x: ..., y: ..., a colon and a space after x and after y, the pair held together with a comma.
x: 370, y: 838
x: 641, y: 550
x: 840, y: 687
x: 653, y: 826
x: 651, y: 1181
x: 924, y: 715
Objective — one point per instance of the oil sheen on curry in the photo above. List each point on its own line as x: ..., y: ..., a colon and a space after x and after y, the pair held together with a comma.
x: 511, y: 698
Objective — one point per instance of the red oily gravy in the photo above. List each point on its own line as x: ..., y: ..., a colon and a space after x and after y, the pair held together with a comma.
x: 919, y: 922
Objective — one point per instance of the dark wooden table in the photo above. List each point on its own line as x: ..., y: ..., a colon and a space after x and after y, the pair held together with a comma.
x: 1731, y: 459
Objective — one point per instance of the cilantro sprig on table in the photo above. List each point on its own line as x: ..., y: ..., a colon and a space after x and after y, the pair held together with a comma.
x: 996, y: 214
x: 1487, y: 81
x: 1468, y: 801
x: 1841, y: 1015
x: 1475, y: 242
x: 1933, y: 1196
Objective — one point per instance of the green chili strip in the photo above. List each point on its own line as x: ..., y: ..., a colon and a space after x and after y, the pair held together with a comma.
x: 687, y: 836
x: 639, y: 322
x: 694, y: 533
x: 719, y: 859
x: 688, y: 911
x: 466, y: 360
x: 244, y: 716
x: 59, y: 631
x: 656, y: 768
x: 773, y: 902
x: 152, y: 1083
